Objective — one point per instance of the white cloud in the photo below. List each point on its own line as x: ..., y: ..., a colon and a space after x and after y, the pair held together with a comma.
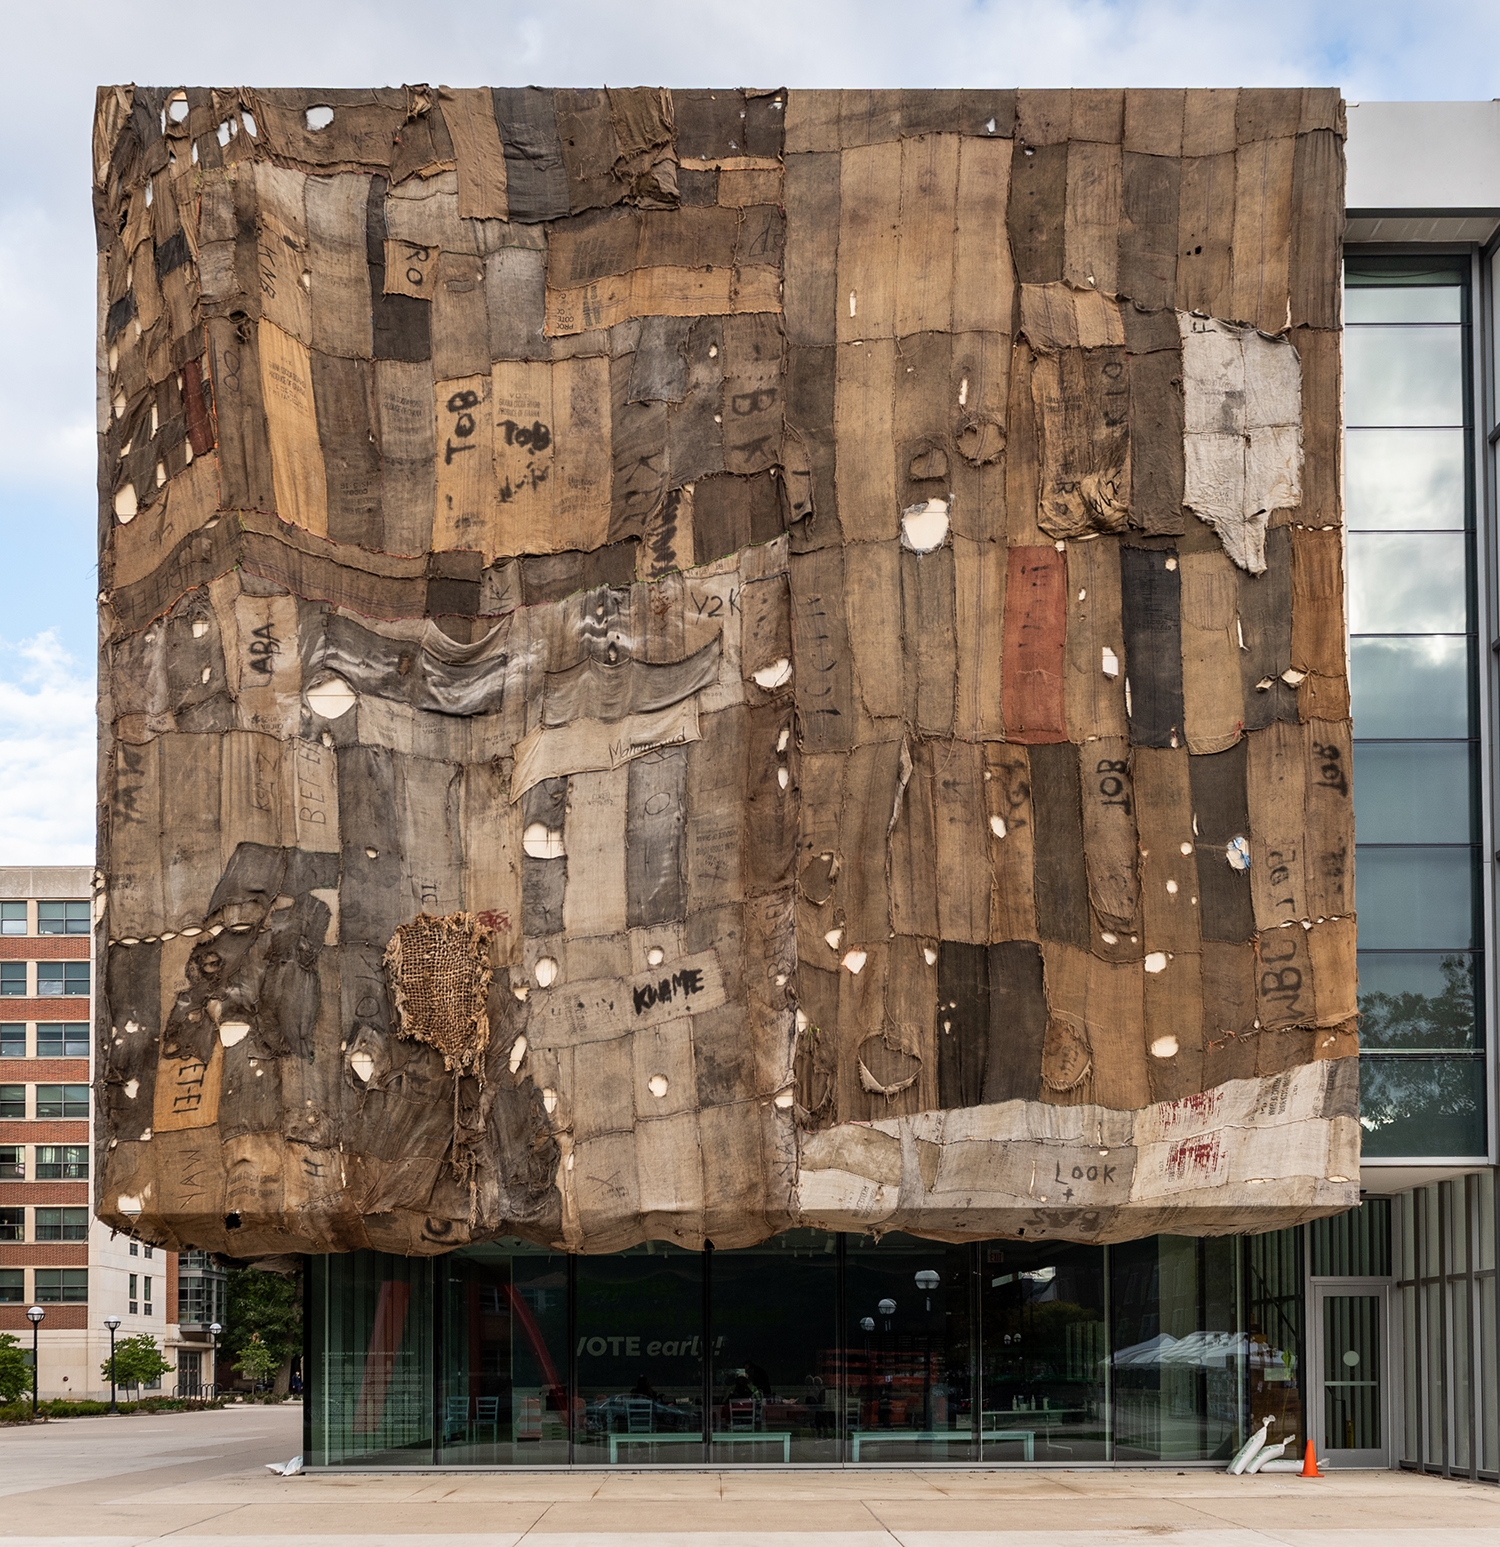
x: 46, y: 754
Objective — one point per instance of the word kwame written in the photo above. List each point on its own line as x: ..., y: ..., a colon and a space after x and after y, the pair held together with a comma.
x: 679, y: 986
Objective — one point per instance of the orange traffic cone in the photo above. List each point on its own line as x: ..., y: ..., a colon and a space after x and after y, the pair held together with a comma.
x: 1310, y: 1462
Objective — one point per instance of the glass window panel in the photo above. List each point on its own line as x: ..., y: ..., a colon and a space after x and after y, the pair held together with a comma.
x: 503, y: 1360
x: 12, y: 1162
x: 1356, y: 1244
x: 62, y: 1039
x: 1416, y: 898
x: 1176, y: 1361
x: 1416, y: 1106
x: 13, y: 1039
x: 640, y: 1357
x: 1352, y: 1372
x: 13, y: 1224
x: 1408, y: 583
x: 1400, y: 479
x: 13, y: 978
x: 12, y: 918
x: 62, y: 918
x: 775, y: 1376
x: 371, y: 1391
x: 12, y: 1286
x: 13, y: 1102
x: 1410, y: 687
x: 66, y: 1286
x: 1046, y: 1355
x: 908, y: 1396
x: 1415, y: 792
x: 1417, y: 1000
x: 1403, y: 303
x: 1403, y: 377
x: 54, y: 979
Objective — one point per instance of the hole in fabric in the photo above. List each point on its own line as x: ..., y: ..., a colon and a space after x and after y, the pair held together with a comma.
x: 232, y: 1032
x: 834, y: 937
x: 363, y: 1066
x: 657, y: 1085
x: 1184, y: 848
x: 200, y: 627
x: 1164, y: 1047
x: 783, y: 738
x: 549, y: 1100
x: 1171, y: 888
x: 546, y: 971
x: 1108, y: 937
x: 224, y: 132
x: 125, y: 506
x: 177, y: 108
x: 331, y: 698
x: 655, y: 956
x: 854, y: 960
x: 542, y: 842
x: 128, y: 1205
x: 997, y: 826
x: 232, y: 1221
x: 776, y: 675
x: 924, y: 526
x: 319, y: 118
x: 517, y: 1053
x: 207, y: 672
x: 929, y: 956
x: 1109, y: 662
x: 785, y: 1099
x: 783, y: 778
x: 1237, y: 852
x: 1156, y: 961
x: 248, y: 119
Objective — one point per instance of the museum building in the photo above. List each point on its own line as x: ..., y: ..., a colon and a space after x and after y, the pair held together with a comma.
x: 965, y: 1258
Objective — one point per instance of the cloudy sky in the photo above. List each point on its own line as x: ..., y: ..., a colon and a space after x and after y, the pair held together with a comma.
x: 1373, y: 49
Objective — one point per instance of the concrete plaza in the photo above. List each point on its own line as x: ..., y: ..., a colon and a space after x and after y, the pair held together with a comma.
x: 198, y: 1479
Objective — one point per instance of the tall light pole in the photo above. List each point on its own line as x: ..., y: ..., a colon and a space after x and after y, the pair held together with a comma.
x: 213, y: 1360
x: 34, y: 1315
x: 927, y: 1281
x: 113, y: 1323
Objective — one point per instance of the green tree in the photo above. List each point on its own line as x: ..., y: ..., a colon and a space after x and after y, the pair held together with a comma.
x: 257, y: 1362
x: 138, y: 1361
x: 15, y: 1372
x: 264, y: 1308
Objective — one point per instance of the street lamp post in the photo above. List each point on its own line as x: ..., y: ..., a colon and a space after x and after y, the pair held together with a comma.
x: 927, y: 1281
x: 213, y: 1361
x: 34, y: 1315
x: 113, y: 1323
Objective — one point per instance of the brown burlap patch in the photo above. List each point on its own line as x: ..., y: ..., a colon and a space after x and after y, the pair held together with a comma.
x: 439, y: 975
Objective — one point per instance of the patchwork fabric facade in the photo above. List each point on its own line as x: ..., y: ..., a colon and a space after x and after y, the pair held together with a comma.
x: 679, y: 664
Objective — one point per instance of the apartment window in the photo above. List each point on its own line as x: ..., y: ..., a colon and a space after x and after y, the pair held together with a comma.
x: 12, y: 1286
x: 146, y: 1297
x: 12, y: 918
x: 135, y: 1249
x: 62, y: 1101
x: 12, y: 1224
x: 146, y: 1251
x: 62, y: 1224
x: 13, y: 979
x: 133, y: 1297
x: 62, y: 1039
x: 58, y: 980
x: 1413, y: 682
x: 12, y: 1101
x: 13, y: 1039
x: 63, y: 918
x: 62, y: 1162
x: 12, y: 1163
x: 65, y: 1286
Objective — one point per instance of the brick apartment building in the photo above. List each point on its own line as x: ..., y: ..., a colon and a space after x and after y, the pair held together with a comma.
x: 53, y: 1253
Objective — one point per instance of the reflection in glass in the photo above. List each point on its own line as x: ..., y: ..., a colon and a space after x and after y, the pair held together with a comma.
x: 1414, y: 792
x: 1046, y: 1360
x: 371, y: 1387
x: 1352, y: 1245
x: 1178, y: 1355
x: 1403, y: 376
x: 1408, y: 583
x: 1416, y: 899
x: 1351, y: 1372
x: 639, y: 1345
x: 775, y: 1373
x: 1404, y: 303
x: 1273, y: 1265
x: 1415, y: 1105
x: 1417, y: 1000
x: 1410, y: 687
x: 1404, y: 479
x: 502, y: 1358
x: 908, y: 1396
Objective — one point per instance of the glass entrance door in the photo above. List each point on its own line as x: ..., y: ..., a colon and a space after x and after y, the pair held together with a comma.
x: 1352, y: 1410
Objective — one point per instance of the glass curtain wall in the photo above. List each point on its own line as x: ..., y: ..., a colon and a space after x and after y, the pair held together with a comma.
x: 1413, y: 676
x: 1443, y: 1249
x: 811, y: 1349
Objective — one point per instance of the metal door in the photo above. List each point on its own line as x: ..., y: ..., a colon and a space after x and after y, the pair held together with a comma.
x: 1350, y: 1390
